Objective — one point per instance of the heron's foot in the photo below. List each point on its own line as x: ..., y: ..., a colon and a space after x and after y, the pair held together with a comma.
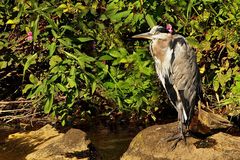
x: 177, y: 138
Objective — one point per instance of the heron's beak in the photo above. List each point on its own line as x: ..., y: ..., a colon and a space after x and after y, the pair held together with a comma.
x: 146, y: 35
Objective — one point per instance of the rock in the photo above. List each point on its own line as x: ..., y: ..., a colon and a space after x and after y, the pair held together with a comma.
x: 211, y: 120
x: 48, y: 143
x: 150, y: 144
x: 206, y: 122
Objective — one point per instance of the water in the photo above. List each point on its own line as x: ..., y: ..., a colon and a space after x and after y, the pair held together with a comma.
x: 7, y: 150
x: 110, y: 143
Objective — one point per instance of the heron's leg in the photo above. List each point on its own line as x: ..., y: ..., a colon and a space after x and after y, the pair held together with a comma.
x: 181, y: 128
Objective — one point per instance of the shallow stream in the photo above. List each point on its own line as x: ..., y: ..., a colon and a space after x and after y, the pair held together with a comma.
x: 110, y: 144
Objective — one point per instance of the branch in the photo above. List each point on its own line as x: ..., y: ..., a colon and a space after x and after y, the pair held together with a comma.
x: 13, y: 110
x: 14, y: 102
x: 11, y: 118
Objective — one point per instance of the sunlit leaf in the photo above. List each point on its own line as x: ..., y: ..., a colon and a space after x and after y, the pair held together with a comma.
x: 65, y: 42
x: 115, y: 53
x: 71, y: 82
x: 14, y: 21
x: 62, y: 6
x: 52, y: 79
x: 81, y: 63
x: 27, y: 87
x: 48, y: 104
x: 118, y: 16
x: 3, y: 64
x: 150, y: 20
x: 30, y: 60
x: 193, y: 42
x: 105, y: 58
x: 61, y: 87
x: 51, y: 21
x: 215, y: 85
x: 52, y: 48
x: 33, y: 79
x: 54, y: 60
x: 94, y: 86
x: 84, y: 39
x: 35, y: 29
x: 154, y: 118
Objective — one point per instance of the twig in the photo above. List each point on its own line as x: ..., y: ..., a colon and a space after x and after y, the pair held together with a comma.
x: 15, y: 102
x: 13, y: 110
x: 11, y: 118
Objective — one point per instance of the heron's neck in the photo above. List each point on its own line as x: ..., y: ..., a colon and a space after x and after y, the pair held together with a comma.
x: 159, y: 48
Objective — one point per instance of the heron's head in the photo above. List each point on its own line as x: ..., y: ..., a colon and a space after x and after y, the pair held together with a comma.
x: 157, y: 32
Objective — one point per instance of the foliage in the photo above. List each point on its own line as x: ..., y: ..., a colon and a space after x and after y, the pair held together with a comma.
x: 78, y: 53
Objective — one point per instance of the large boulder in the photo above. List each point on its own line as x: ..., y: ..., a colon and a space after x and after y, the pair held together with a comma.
x: 48, y: 144
x: 150, y: 144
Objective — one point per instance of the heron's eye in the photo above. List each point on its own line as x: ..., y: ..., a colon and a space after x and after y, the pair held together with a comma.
x: 160, y: 30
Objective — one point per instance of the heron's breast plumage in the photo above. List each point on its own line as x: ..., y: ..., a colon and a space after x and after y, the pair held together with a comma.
x: 162, y: 55
x: 176, y: 67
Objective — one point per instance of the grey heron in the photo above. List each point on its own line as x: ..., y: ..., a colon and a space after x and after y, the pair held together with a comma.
x: 176, y: 66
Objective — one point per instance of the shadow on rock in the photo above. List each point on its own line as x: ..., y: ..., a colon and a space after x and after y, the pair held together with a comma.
x: 151, y: 144
x: 48, y: 143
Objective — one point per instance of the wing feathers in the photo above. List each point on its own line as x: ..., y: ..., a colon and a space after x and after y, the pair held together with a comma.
x: 185, y: 74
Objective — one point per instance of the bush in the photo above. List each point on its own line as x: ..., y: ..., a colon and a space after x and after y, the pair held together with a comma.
x: 79, y: 55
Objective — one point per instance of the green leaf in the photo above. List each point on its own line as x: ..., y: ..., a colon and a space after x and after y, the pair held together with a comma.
x: 30, y: 60
x: 103, y: 66
x: 27, y: 87
x: 109, y: 85
x: 153, y: 117
x: 205, y: 45
x: 50, y: 21
x: 54, y: 60
x: 129, y: 101
x: 52, y: 48
x: 150, y: 20
x: 48, y: 104
x: 35, y: 29
x: 52, y: 79
x: 105, y: 58
x: 215, y: 85
x: 61, y: 87
x: 65, y: 42
x: 94, y: 86
x: 129, y: 18
x: 71, y: 82
x: 193, y: 42
x: 36, y: 92
x: 66, y: 27
x: 123, y: 51
x: 85, y: 58
x: 123, y: 60
x: 3, y: 64
x: 56, y: 36
x: 63, y: 122
x: 120, y: 105
x: 85, y: 39
x: 62, y: 6
x: 206, y: 15
x: 72, y: 71
x: 189, y: 7
x: 33, y: 79
x: 81, y: 64
x: 118, y: 16
x: 14, y: 21
x: 115, y: 53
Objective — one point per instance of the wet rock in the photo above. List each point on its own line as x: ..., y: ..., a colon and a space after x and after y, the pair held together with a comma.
x: 150, y: 144
x: 48, y: 143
